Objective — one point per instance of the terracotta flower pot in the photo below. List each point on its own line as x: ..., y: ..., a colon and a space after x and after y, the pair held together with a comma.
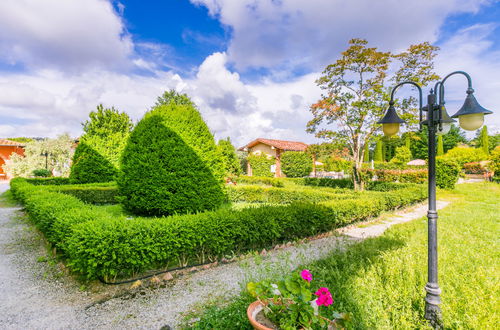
x: 252, y: 311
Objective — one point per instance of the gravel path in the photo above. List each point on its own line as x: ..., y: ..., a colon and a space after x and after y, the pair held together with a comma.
x: 35, y: 294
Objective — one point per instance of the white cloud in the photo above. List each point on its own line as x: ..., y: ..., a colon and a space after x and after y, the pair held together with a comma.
x: 291, y: 34
x: 70, y: 35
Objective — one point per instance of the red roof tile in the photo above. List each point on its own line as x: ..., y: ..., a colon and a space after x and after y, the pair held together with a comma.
x: 4, y: 142
x: 279, y: 144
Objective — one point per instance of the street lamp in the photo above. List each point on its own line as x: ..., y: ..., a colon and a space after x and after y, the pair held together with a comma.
x: 470, y: 117
x: 46, y: 154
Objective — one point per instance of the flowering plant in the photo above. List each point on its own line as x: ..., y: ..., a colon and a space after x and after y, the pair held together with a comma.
x: 291, y: 304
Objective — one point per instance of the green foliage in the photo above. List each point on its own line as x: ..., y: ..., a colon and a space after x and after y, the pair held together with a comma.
x: 91, y: 193
x: 379, y: 156
x: 275, y: 182
x: 366, y: 155
x: 90, y: 166
x: 337, y: 164
x: 464, y: 154
x: 173, y: 96
x: 171, y: 164
x: 242, y: 159
x: 106, y: 132
x: 440, y: 147
x: 326, y: 182
x: 474, y: 168
x: 261, y: 164
x: 42, y: 173
x: 58, y: 157
x: 48, y: 181
x: 230, y: 160
x: 450, y: 140
x: 403, y: 176
x: 21, y: 139
x: 447, y: 172
x: 99, y: 245
x: 495, y: 161
x: 484, y: 141
x: 296, y: 164
x: 402, y: 156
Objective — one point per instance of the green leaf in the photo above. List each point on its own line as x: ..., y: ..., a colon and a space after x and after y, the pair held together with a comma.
x: 292, y: 286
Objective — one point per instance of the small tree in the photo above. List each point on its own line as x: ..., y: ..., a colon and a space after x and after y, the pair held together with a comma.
x: 357, y: 87
x: 229, y: 158
x: 366, y: 158
x: 90, y: 166
x: 296, y: 164
x: 484, y: 141
x: 379, y: 156
x: 440, y: 147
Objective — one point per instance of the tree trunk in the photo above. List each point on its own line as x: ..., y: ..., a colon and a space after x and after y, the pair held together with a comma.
x: 359, y: 184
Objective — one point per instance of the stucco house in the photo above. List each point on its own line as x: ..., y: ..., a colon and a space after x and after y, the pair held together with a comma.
x: 273, y: 148
x: 8, y: 147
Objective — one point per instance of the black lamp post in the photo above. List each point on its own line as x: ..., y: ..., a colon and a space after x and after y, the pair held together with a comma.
x: 46, y: 154
x: 470, y: 117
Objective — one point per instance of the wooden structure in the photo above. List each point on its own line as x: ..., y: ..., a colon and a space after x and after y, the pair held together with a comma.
x: 7, y: 148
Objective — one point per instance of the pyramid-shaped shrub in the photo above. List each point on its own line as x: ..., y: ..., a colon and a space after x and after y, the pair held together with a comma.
x: 88, y: 166
x: 170, y: 164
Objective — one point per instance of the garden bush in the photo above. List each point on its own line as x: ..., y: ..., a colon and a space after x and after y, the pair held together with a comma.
x: 97, y: 245
x: 92, y: 194
x: 89, y: 166
x: 447, y: 172
x: 402, y: 176
x: 48, y: 181
x: 464, y: 154
x: 326, y: 182
x: 42, y: 173
x: 167, y: 165
x: 261, y: 164
x: 296, y: 164
x: 338, y: 164
x: 275, y: 182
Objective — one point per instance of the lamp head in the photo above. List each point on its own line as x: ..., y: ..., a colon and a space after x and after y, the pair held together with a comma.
x: 391, y: 121
x: 446, y: 121
x: 471, y: 114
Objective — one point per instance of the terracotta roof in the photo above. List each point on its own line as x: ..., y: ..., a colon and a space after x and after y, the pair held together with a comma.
x: 4, y: 142
x: 279, y: 144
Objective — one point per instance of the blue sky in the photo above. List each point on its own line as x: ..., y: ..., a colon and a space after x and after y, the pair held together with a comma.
x: 250, y: 65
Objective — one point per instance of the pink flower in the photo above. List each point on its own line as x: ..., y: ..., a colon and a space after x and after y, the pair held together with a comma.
x: 324, y: 297
x: 306, y: 275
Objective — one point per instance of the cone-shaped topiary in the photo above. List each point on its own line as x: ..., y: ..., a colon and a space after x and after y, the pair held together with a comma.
x: 90, y: 166
x: 170, y: 164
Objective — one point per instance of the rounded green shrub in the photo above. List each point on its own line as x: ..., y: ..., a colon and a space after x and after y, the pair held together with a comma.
x: 170, y: 164
x: 447, y: 172
x: 296, y: 164
x: 89, y: 166
x: 261, y: 164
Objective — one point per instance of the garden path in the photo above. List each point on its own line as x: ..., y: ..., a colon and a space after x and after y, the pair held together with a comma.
x: 37, y: 294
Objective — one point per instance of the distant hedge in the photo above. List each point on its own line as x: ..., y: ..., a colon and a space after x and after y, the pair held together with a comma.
x: 98, y: 245
x: 171, y: 165
x: 296, y: 164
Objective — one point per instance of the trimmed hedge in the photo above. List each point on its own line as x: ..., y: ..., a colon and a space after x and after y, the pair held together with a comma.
x: 167, y: 165
x: 326, y: 182
x: 447, y: 172
x: 92, y: 194
x: 274, y: 195
x: 403, y: 176
x: 97, y: 245
x: 261, y: 164
x: 48, y: 181
x: 275, y: 182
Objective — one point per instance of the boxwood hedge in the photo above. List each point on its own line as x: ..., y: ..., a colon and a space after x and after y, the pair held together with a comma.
x: 99, y: 245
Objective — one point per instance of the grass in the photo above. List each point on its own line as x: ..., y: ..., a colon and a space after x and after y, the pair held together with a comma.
x: 380, y: 281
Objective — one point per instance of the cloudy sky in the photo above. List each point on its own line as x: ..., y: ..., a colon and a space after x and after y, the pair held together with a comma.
x: 250, y: 65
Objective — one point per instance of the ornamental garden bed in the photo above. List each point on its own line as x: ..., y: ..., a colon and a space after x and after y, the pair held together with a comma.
x: 104, y: 242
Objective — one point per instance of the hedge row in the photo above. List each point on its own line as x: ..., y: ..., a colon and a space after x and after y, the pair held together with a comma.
x: 49, y: 181
x: 275, y: 182
x: 102, y: 194
x: 404, y: 176
x: 326, y: 182
x: 273, y: 195
x: 98, y: 245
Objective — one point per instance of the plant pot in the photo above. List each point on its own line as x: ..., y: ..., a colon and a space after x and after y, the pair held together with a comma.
x: 252, y: 311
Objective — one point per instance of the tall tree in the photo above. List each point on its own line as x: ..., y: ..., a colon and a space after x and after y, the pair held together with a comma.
x: 229, y: 158
x: 379, y: 151
x: 440, y: 147
x: 356, y: 93
x: 484, y: 141
x: 106, y: 132
x: 366, y: 157
x: 175, y: 97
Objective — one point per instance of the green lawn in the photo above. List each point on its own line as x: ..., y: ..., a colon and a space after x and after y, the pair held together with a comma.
x: 380, y: 281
